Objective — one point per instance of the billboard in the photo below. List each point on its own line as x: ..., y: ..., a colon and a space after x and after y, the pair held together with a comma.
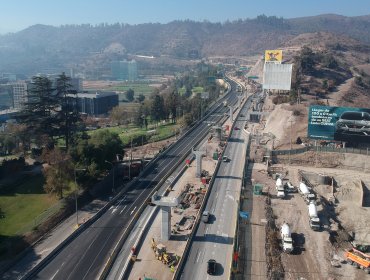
x: 339, y: 123
x: 273, y: 56
x: 277, y: 76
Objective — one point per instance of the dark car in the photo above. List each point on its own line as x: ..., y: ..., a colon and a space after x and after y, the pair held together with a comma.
x: 211, y: 267
x: 353, y: 123
x: 236, y: 128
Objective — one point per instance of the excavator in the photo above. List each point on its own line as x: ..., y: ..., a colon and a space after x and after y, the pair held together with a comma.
x: 161, y: 254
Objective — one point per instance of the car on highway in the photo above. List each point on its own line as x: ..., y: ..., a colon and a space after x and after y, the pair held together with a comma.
x: 211, y: 267
x: 225, y: 159
x: 205, y: 216
x: 236, y: 128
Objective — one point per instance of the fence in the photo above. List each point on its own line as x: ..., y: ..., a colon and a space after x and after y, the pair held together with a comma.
x: 320, y: 149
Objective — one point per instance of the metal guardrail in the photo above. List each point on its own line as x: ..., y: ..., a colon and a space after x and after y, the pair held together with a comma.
x: 320, y: 149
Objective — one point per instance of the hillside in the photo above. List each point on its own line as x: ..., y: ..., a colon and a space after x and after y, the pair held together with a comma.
x: 40, y: 48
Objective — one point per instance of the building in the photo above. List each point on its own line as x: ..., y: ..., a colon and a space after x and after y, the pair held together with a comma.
x: 19, y: 94
x: 95, y: 104
x: 124, y: 70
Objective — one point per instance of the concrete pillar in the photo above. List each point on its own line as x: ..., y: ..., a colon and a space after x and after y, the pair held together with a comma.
x: 166, y: 223
x: 198, y: 160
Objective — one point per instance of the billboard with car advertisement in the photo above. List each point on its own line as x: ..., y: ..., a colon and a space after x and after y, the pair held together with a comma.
x: 339, y: 123
x: 273, y: 56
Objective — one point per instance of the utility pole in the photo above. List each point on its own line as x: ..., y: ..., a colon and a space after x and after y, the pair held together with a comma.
x: 112, y: 174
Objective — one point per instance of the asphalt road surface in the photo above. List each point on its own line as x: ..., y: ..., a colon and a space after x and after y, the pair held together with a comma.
x: 86, y: 255
x: 214, y: 240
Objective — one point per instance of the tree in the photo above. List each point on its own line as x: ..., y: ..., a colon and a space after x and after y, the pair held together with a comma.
x: 141, y: 98
x: 130, y: 95
x: 157, y: 108
x: 59, y: 174
x: 38, y: 111
x: 119, y: 115
x: 67, y: 116
x: 103, y: 145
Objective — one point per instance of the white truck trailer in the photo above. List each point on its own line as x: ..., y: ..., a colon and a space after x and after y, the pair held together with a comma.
x: 286, y: 238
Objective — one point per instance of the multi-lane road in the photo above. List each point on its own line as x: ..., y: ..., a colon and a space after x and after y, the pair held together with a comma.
x: 214, y: 240
x: 86, y: 255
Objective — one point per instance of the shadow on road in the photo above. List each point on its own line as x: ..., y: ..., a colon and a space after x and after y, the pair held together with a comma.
x: 214, y: 239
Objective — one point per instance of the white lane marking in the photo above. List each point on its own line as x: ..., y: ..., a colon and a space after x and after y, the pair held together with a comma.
x: 133, y: 210
x: 216, y: 194
x: 123, y: 209
x: 206, y: 230
x: 54, y: 275
x: 230, y: 197
x: 111, y: 207
x: 198, y: 256
x: 114, y: 210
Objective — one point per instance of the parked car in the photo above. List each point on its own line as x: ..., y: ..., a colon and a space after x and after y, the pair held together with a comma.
x: 225, y: 159
x: 211, y: 266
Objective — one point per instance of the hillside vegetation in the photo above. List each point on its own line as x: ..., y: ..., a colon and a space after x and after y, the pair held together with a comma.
x: 84, y: 46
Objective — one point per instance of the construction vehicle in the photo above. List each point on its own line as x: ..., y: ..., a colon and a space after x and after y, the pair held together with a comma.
x: 314, y: 218
x: 358, y: 259
x: 280, y: 188
x: 162, y: 255
x: 307, y: 195
x: 286, y: 238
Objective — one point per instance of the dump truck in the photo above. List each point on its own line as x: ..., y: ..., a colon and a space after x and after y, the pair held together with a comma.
x: 358, y: 259
x: 286, y: 238
x: 314, y: 218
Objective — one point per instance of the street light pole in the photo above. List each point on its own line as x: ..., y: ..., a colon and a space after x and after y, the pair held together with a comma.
x: 113, y: 173
x: 75, y: 171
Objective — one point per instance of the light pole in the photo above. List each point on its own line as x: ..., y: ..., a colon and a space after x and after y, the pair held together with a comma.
x: 75, y: 171
x: 113, y: 173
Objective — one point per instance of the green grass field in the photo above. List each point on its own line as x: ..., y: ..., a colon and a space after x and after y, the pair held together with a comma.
x: 162, y: 132
x: 195, y: 90
x: 23, y: 207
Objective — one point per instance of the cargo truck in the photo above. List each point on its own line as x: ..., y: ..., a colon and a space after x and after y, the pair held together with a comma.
x: 307, y: 195
x: 314, y: 218
x: 280, y: 188
x: 286, y: 238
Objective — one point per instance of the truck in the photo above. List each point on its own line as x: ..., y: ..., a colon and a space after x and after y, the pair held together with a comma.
x: 290, y: 188
x: 286, y: 238
x: 358, y: 259
x: 314, y: 218
x: 307, y: 195
x: 280, y: 188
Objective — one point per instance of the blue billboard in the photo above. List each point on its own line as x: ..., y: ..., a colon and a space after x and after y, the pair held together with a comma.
x: 339, y: 123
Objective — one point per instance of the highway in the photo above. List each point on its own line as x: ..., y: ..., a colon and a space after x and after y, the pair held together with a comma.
x: 86, y: 255
x: 214, y: 240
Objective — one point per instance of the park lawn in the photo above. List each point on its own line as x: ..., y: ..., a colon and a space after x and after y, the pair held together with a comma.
x: 162, y: 132
x: 195, y: 90
x: 22, y: 207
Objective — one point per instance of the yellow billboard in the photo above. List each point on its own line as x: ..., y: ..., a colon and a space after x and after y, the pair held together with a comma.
x: 274, y: 56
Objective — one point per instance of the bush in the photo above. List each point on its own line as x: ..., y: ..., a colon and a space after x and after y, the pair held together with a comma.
x: 296, y: 112
x: 280, y: 99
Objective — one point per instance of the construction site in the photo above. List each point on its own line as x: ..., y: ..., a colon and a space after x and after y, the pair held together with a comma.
x: 327, y: 226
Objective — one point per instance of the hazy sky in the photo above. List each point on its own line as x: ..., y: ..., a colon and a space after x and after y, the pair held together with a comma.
x: 19, y: 14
